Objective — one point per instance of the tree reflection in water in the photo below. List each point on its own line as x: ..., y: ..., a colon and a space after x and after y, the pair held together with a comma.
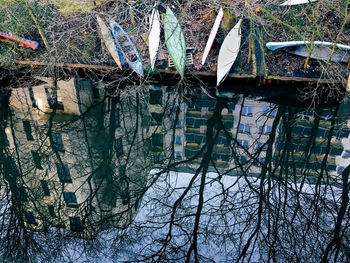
x: 156, y: 174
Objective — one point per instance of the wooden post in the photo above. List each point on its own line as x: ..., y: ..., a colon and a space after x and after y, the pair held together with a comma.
x: 348, y: 85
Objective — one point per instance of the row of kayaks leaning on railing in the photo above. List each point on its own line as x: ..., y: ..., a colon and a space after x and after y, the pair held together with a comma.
x: 176, y: 44
x: 123, y: 51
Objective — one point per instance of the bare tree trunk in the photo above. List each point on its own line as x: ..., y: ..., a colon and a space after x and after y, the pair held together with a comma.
x: 337, y: 238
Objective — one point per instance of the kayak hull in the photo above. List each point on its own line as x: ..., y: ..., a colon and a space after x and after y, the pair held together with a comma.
x: 126, y: 48
x: 284, y: 44
x: 212, y: 35
x: 108, y: 41
x: 321, y: 50
x: 175, y: 41
x: 154, y: 36
x: 321, y: 53
x: 228, y: 52
x: 296, y: 2
x: 22, y: 41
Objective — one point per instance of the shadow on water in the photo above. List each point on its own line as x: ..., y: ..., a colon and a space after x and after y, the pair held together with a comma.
x: 160, y: 174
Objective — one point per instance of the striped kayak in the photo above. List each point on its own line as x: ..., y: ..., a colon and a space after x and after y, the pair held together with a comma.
x: 228, y: 52
x: 20, y: 40
x: 126, y: 48
x: 154, y: 36
x: 109, y: 42
x: 175, y: 41
x: 212, y: 35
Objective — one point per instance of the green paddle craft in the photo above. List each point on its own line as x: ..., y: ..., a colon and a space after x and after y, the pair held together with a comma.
x: 175, y: 41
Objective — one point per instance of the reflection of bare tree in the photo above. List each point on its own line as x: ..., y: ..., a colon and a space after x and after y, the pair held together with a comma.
x: 233, y: 180
x: 275, y: 216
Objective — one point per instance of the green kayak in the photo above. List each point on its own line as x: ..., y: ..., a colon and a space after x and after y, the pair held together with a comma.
x: 175, y: 41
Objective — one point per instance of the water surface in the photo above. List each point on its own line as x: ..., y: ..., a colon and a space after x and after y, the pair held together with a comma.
x: 157, y: 173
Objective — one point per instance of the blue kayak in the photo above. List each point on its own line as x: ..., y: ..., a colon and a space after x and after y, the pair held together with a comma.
x: 126, y: 49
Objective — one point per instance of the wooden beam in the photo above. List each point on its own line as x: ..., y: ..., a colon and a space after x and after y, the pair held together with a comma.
x: 67, y: 65
x: 193, y: 73
x: 303, y: 79
x: 207, y: 74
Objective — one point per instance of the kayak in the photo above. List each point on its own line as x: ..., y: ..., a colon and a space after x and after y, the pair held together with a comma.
x: 154, y: 36
x: 109, y: 42
x: 228, y: 52
x: 175, y: 41
x: 22, y: 41
x: 212, y: 35
x: 323, y: 53
x: 126, y: 48
x: 296, y: 2
x: 322, y: 50
x: 284, y: 44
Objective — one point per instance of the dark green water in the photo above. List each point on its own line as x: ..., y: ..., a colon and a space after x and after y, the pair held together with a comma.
x: 158, y: 174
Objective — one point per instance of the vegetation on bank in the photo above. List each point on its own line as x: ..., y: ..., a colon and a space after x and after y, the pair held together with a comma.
x: 67, y: 31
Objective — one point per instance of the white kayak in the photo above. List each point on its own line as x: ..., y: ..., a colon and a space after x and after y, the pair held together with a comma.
x: 109, y: 41
x: 323, y: 53
x: 322, y: 49
x: 154, y: 36
x: 284, y: 44
x: 212, y: 35
x: 296, y: 2
x: 228, y: 52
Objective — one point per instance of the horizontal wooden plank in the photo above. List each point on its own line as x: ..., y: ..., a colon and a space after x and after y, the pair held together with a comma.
x: 207, y: 74
x: 67, y: 65
x: 303, y: 79
x: 193, y: 73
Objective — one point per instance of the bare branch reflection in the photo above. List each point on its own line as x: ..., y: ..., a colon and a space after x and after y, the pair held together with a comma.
x: 156, y: 174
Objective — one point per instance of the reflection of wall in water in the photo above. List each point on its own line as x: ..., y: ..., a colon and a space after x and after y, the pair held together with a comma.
x: 64, y: 182
x: 302, y: 127
x: 166, y: 125
x: 239, y: 120
x: 198, y: 112
x: 253, y: 125
x: 249, y: 122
